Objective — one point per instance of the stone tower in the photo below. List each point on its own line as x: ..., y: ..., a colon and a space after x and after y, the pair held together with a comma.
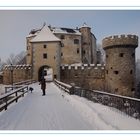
x: 88, y: 45
x: 120, y: 64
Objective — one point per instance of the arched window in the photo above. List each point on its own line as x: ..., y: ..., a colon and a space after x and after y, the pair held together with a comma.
x: 76, y: 41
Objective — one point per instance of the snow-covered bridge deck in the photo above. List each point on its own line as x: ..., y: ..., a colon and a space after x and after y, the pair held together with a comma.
x: 60, y: 111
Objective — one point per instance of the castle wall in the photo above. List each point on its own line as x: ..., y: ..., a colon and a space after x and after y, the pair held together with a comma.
x: 86, y: 76
x: 71, y: 50
x: 20, y: 73
x: 29, y: 50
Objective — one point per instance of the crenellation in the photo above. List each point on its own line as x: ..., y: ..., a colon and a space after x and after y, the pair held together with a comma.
x: 116, y: 40
x: 82, y: 67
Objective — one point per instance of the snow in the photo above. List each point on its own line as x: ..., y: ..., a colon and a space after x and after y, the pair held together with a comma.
x: 57, y: 30
x: 61, y: 111
x: 2, y: 89
x: 45, y: 35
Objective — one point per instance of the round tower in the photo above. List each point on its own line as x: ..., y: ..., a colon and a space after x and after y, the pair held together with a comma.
x: 120, y: 64
x: 86, y: 44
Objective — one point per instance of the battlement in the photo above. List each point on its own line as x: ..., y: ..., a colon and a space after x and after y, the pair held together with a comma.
x: 83, y: 66
x: 116, y: 40
x: 8, y: 67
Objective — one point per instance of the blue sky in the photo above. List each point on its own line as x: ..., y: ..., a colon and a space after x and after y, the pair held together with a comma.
x: 15, y: 25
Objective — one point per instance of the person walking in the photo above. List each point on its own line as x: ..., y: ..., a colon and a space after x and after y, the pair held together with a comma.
x: 43, y: 85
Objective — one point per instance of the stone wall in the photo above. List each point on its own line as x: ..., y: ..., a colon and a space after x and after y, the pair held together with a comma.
x: 71, y: 48
x: 20, y: 73
x: 120, y: 64
x: 86, y: 76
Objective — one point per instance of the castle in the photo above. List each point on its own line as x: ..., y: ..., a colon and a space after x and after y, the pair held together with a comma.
x: 73, y: 56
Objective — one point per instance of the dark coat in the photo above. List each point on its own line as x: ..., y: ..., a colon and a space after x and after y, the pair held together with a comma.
x: 43, y: 84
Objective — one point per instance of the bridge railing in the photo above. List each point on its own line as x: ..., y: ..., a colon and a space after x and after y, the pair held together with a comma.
x: 18, y: 85
x: 128, y: 105
x: 27, y: 82
x: 12, y: 96
x: 63, y: 86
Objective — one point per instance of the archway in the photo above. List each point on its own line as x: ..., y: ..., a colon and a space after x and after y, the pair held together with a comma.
x: 46, y: 72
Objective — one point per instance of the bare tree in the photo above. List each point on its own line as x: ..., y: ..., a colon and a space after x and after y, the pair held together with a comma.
x: 100, y: 54
x: 17, y: 59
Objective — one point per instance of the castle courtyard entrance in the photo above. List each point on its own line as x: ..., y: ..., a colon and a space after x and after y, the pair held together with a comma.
x: 47, y: 72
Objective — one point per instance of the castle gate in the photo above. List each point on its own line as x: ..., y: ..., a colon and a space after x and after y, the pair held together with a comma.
x: 45, y: 71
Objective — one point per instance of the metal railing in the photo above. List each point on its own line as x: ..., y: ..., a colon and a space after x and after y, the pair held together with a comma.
x: 128, y: 105
x: 12, y: 96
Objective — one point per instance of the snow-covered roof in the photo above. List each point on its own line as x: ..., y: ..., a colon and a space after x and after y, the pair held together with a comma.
x: 45, y: 35
x: 58, y: 30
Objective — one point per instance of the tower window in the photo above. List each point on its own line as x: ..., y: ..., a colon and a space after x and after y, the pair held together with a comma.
x: 133, y: 54
x: 133, y: 89
x: 76, y: 41
x: 45, y: 55
x: 45, y: 46
x: 116, y: 89
x: 62, y: 45
x: 84, y: 51
x: 106, y: 56
x: 62, y: 37
x: 61, y: 54
x: 77, y: 50
x: 116, y: 72
x: 121, y: 54
x: 28, y: 47
x: 131, y: 71
x: 106, y: 71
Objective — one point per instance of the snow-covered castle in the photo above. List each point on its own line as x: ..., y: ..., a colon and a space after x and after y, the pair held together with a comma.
x: 73, y: 56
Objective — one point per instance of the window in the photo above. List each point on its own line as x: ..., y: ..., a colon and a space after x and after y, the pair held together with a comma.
x: 133, y: 54
x: 77, y: 50
x: 121, y: 54
x: 133, y: 89
x: 116, y: 89
x: 84, y: 51
x: 106, y: 71
x: 62, y: 37
x: 76, y: 41
x: 45, y: 46
x: 62, y: 45
x: 28, y: 47
x: 106, y: 56
x: 131, y: 71
x: 116, y: 72
x: 45, y: 55
x: 55, y: 76
x: 61, y: 54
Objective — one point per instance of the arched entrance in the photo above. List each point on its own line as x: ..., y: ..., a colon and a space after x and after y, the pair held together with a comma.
x: 46, y: 72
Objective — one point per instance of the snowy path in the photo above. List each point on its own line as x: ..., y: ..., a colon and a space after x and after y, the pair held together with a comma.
x: 37, y: 112
x: 60, y: 111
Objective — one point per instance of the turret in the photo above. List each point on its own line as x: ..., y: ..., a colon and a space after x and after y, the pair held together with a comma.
x: 120, y: 64
x: 88, y: 44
